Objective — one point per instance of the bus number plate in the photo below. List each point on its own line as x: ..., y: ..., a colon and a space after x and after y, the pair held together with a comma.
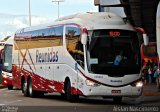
x: 116, y: 91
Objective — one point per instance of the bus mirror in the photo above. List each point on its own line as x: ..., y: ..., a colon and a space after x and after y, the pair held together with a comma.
x: 6, y: 64
x: 145, y: 39
x: 84, y: 39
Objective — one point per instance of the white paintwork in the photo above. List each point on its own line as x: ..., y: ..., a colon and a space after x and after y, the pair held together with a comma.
x: 65, y: 67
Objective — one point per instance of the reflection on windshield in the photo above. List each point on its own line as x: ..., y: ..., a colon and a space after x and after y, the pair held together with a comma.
x: 114, y: 53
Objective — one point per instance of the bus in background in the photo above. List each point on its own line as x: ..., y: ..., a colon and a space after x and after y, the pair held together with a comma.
x: 7, y: 64
x: 92, y: 54
x: 158, y: 41
x: 149, y: 52
x: 1, y: 51
x: 1, y: 59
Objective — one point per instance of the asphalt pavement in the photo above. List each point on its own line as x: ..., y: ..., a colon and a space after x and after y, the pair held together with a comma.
x: 1, y: 86
x: 148, y: 90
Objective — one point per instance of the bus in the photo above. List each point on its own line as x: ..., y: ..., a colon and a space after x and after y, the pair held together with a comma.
x: 1, y: 59
x: 78, y: 55
x: 1, y: 50
x: 7, y: 64
x: 158, y: 41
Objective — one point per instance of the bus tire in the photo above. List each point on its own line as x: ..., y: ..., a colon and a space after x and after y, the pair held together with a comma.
x: 30, y: 89
x: 41, y: 94
x: 25, y: 88
x: 63, y: 95
x: 69, y: 96
x: 10, y: 87
x: 117, y: 99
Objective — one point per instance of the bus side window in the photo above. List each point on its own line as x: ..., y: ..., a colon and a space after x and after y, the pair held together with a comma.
x: 59, y: 35
x: 74, y: 45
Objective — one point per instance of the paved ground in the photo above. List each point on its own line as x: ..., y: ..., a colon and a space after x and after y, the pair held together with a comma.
x: 14, y: 99
x: 151, y: 90
x: 1, y: 86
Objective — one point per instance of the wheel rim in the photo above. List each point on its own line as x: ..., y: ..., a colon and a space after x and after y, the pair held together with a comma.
x: 30, y: 88
x: 24, y: 86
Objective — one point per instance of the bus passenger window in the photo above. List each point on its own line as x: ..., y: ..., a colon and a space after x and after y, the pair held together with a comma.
x: 74, y: 45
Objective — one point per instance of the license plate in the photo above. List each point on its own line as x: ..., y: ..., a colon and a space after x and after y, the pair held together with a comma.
x: 116, y: 91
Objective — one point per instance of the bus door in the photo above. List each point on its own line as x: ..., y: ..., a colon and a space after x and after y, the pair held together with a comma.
x: 75, y: 50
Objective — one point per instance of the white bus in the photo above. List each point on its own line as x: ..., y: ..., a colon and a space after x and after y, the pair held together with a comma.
x: 158, y: 41
x: 76, y: 56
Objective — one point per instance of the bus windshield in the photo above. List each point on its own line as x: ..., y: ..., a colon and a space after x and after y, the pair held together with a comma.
x: 114, y: 53
x: 7, y: 58
x: 1, y: 52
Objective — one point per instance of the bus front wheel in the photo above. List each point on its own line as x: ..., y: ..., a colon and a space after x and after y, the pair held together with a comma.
x: 69, y: 96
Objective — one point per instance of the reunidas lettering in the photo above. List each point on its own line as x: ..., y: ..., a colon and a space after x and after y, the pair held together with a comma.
x: 43, y: 57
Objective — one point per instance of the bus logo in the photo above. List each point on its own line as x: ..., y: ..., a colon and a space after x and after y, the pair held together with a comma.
x: 116, y: 80
x: 49, y: 56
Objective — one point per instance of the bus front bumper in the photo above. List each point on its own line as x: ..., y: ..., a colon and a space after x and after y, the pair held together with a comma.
x: 126, y: 91
x: 6, y: 80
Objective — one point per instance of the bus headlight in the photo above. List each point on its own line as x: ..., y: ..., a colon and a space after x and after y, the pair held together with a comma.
x: 138, y: 84
x: 91, y: 83
x: 4, y: 75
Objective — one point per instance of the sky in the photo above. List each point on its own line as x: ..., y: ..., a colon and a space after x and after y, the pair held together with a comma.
x: 14, y: 13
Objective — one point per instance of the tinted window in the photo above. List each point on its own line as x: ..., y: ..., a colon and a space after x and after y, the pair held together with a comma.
x: 42, y: 38
x: 7, y: 58
x: 74, y: 45
x: 34, y: 33
x: 59, y: 31
x: 114, y: 52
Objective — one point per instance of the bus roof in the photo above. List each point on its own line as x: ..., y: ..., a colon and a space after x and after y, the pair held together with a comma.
x: 90, y: 20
